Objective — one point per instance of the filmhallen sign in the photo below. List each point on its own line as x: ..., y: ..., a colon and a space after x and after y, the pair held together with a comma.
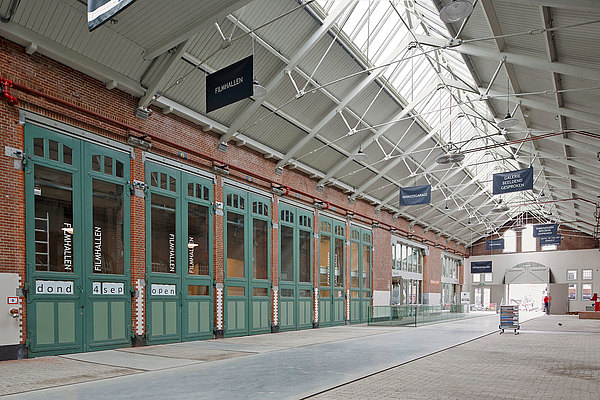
x: 514, y: 181
x: 411, y: 196
x: 229, y: 85
x: 100, y: 11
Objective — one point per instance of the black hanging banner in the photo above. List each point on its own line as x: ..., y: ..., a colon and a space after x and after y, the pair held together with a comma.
x: 550, y: 240
x: 494, y: 244
x: 100, y: 11
x: 415, y: 195
x: 545, y: 230
x: 479, y: 267
x: 514, y: 181
x: 230, y: 84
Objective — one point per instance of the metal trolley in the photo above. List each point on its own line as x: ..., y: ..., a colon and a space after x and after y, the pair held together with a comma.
x: 509, y: 318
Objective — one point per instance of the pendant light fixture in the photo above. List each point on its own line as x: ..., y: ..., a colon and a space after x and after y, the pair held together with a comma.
x: 360, y: 154
x: 456, y: 11
x: 452, y: 154
x: 508, y: 121
x: 258, y: 90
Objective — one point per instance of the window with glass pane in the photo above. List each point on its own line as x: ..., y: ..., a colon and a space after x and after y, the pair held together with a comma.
x: 324, y: 261
x: 586, y: 291
x: 339, y: 262
x: 305, y: 259
x: 488, y: 277
x: 354, y: 259
x: 53, y: 192
x: 366, y: 267
x: 261, y: 249
x: 287, y: 253
x: 235, y: 245
x: 476, y: 278
x: 510, y: 241
x: 586, y: 274
x: 197, y: 243
x: 572, y: 290
x: 572, y: 275
x: 107, y: 199
x: 163, y: 233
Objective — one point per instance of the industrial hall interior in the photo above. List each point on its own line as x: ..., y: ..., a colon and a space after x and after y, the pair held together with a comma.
x: 257, y: 199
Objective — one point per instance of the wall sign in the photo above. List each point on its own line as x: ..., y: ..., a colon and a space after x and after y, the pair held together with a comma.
x: 53, y: 287
x: 12, y: 300
x: 514, y: 181
x: 162, y: 290
x: 545, y: 230
x: 108, y: 288
x: 465, y: 297
x: 494, y: 244
x: 479, y: 267
x: 415, y: 195
x: 100, y: 11
x: 550, y: 240
x: 230, y: 84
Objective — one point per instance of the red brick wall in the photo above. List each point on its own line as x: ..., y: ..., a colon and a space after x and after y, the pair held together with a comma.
x: 43, y: 74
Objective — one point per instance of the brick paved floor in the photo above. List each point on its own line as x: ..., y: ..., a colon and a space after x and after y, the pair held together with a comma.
x: 545, y: 361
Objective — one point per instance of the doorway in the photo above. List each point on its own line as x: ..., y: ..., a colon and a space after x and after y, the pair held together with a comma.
x: 528, y: 296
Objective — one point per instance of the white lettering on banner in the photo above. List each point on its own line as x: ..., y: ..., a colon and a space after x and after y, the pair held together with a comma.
x: 53, y: 287
x: 191, y: 255
x: 412, y: 196
x: 97, y: 249
x: 162, y: 290
x: 68, y: 247
x: 171, y: 252
x: 229, y: 84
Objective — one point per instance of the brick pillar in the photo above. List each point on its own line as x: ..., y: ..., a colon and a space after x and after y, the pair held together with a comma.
x: 138, y: 250
x: 218, y: 257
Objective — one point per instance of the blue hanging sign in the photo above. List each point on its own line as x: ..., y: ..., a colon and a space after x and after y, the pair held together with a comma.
x: 494, y: 244
x: 100, y: 11
x: 481, y: 267
x: 545, y: 230
x: 514, y: 181
x: 550, y: 240
x: 415, y: 195
x: 230, y: 84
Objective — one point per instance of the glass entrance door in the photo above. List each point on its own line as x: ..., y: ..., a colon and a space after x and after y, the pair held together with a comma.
x: 78, y: 263
x: 178, y: 253
x: 360, y: 274
x: 247, y: 250
x: 295, y: 268
x: 331, y: 272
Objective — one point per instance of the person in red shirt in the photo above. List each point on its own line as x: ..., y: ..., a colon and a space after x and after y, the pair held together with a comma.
x: 547, y: 304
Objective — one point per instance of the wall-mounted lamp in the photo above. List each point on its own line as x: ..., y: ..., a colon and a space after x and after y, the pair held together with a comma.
x: 221, y: 169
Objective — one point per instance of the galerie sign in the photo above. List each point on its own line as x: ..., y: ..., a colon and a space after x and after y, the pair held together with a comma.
x: 415, y: 195
x: 514, y: 181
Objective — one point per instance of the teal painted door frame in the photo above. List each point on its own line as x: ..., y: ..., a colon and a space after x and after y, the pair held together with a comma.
x: 67, y: 308
x: 179, y: 271
x: 360, y: 274
x: 295, y: 246
x: 332, y: 266
x: 246, y: 252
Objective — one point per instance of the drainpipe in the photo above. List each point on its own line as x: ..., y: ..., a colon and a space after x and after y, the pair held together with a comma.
x: 11, y: 11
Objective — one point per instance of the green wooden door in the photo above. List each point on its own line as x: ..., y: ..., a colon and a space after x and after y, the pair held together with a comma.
x: 179, y: 255
x: 77, y: 239
x: 247, y: 244
x: 331, y: 272
x: 360, y: 274
x: 295, y: 268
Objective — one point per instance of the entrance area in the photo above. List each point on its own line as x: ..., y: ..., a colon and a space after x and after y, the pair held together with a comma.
x: 331, y: 272
x: 528, y: 296
x: 77, y: 244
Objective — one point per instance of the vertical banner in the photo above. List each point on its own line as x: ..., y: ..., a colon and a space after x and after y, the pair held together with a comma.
x: 514, y: 181
x: 415, y: 195
x: 230, y: 84
x: 478, y: 267
x: 100, y: 11
x: 494, y: 244
x: 550, y: 240
x: 545, y: 230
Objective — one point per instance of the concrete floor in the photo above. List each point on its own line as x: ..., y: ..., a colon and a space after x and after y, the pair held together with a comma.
x: 436, y: 361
